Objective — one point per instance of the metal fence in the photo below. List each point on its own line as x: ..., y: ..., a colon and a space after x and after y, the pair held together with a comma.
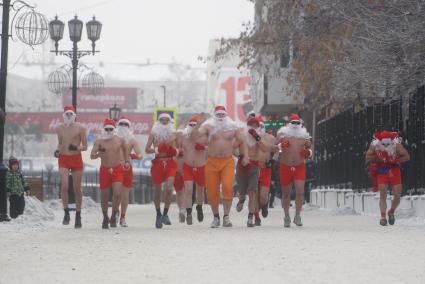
x: 342, y: 141
x: 50, y: 186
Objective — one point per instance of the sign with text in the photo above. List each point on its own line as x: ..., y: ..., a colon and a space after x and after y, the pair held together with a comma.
x: 47, y: 122
x: 125, y: 98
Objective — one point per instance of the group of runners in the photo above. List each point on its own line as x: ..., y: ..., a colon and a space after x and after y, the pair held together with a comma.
x: 208, y: 155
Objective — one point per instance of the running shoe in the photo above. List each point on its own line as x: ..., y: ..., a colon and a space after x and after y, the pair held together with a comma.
x: 123, y: 223
x: 383, y: 222
x: 182, y: 217
x: 391, y: 218
x: 66, y: 219
x: 265, y: 211
x: 78, y: 224
x: 200, y: 213
x: 113, y: 221
x: 226, y: 222
x: 257, y: 222
x: 189, y: 220
x: 250, y: 223
x: 239, y: 206
x: 287, y: 222
x: 215, y: 223
x: 297, y: 220
x: 158, y: 222
x: 105, y: 223
x: 166, y: 220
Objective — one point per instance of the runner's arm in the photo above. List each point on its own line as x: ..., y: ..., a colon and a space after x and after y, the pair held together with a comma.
x: 403, y: 155
x: 137, y: 149
x: 95, y: 151
x: 149, y: 144
x: 370, y: 154
x: 83, y: 137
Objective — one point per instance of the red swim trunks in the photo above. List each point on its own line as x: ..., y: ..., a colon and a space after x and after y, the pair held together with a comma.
x: 196, y: 174
x: 128, y: 177
x: 178, y: 182
x: 265, y: 177
x: 388, y: 176
x: 107, y: 176
x: 288, y: 174
x: 162, y: 170
x: 71, y: 162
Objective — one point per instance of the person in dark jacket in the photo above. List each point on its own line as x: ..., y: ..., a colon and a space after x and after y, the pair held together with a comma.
x: 16, y: 188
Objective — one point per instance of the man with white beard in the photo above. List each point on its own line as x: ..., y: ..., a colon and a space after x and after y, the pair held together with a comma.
x: 222, y: 134
x: 72, y: 140
x: 193, y: 169
x: 114, y: 158
x: 162, y: 142
x: 247, y: 176
x: 387, y: 153
x: 124, y: 131
x: 294, y: 142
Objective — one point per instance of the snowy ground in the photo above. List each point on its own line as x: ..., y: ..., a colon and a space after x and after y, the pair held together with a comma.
x: 332, y: 247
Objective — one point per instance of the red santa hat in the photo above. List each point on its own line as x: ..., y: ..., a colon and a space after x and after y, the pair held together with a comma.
x: 252, y: 120
x: 164, y: 115
x: 387, y: 135
x: 220, y: 110
x: 193, y: 118
x: 109, y: 122
x: 124, y: 119
x: 69, y: 108
x: 294, y: 117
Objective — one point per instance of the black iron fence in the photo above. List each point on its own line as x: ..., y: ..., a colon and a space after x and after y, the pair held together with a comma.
x: 342, y: 141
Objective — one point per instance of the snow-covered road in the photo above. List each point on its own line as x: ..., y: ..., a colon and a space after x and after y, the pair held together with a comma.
x: 330, y: 248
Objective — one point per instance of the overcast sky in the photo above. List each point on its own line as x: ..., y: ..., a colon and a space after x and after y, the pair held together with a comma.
x: 137, y: 30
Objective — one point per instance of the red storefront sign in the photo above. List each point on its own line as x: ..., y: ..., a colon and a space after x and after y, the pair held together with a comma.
x: 47, y: 122
x: 125, y: 98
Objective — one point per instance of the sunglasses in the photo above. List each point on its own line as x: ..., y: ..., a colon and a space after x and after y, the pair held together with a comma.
x: 108, y: 129
x: 124, y: 124
x: 295, y: 122
x: 386, y: 144
x: 192, y: 124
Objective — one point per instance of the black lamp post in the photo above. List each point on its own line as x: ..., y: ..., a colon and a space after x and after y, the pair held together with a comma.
x: 56, y: 28
x: 115, y: 112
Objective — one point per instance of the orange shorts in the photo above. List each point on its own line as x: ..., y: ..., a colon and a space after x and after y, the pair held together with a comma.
x: 162, y: 170
x: 107, y: 176
x: 265, y: 178
x: 219, y: 171
x: 178, y: 182
x: 196, y: 174
x: 128, y: 178
x: 388, y: 176
x: 289, y: 174
x: 71, y: 162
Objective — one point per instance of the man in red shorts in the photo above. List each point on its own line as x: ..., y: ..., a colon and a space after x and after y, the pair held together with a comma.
x: 72, y: 140
x: 114, y: 158
x: 161, y: 142
x: 387, y: 154
x: 295, y: 144
x: 195, y: 158
x: 124, y: 131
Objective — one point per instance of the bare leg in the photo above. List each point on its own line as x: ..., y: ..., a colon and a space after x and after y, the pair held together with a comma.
x: 77, y: 177
x: 299, y: 199
x: 187, y: 197
x: 396, y: 196
x: 168, y: 191
x: 264, y: 196
x: 124, y: 200
x: 64, y: 174
x: 252, y: 204
x: 157, y: 197
x: 200, y: 195
x: 286, y: 198
x: 383, y: 199
x: 116, y: 196
x: 104, y: 199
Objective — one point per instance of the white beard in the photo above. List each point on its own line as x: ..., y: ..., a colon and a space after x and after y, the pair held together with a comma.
x: 224, y: 124
x: 162, y: 132
x: 187, y: 130
x: 105, y: 135
x: 68, y: 121
x: 125, y: 133
x: 293, y: 132
x: 250, y: 141
x: 391, y: 149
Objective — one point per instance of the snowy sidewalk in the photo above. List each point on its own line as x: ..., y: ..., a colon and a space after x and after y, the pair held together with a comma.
x: 330, y: 248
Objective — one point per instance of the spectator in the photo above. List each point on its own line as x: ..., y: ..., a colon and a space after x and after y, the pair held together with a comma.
x: 16, y: 187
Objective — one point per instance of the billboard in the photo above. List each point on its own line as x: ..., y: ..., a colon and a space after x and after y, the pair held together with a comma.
x: 171, y: 111
x: 125, y: 98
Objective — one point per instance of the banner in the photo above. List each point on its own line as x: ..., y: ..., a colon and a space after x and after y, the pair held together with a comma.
x: 47, y: 122
x: 125, y: 98
x: 171, y: 111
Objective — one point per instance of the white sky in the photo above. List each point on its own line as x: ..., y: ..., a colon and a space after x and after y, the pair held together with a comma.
x: 136, y: 30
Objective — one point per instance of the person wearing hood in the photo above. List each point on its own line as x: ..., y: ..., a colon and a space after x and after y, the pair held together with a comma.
x: 16, y: 187
x: 114, y: 159
x: 72, y: 141
x: 294, y: 143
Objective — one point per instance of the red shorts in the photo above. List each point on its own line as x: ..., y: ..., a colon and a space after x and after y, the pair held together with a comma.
x: 128, y: 178
x: 178, y: 182
x: 162, y: 170
x: 196, y: 174
x: 71, y: 162
x: 109, y: 175
x: 265, y: 177
x: 288, y: 174
x: 392, y: 177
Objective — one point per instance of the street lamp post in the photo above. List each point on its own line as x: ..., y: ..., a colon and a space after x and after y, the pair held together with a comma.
x: 56, y: 28
x: 115, y: 113
x: 165, y: 97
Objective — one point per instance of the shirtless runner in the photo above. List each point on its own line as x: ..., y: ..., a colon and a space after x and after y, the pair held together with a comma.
x: 222, y: 134
x: 72, y: 140
x: 112, y: 151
